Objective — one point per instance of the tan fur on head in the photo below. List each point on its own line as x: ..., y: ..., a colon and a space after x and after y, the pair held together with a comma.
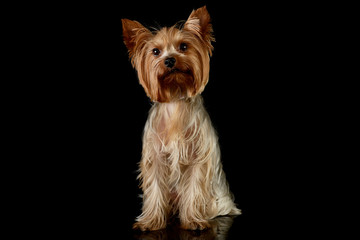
x: 180, y: 170
x: 191, y: 71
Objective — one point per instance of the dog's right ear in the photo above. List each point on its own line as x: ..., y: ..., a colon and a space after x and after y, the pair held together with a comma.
x: 199, y: 23
x: 134, y: 35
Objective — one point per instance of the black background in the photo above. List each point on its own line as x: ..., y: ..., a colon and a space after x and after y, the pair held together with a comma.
x: 93, y: 110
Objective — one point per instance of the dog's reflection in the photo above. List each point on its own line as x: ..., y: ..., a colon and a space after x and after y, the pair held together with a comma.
x: 219, y: 229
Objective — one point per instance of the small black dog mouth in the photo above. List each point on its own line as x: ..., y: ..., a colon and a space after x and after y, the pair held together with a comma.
x: 176, y: 71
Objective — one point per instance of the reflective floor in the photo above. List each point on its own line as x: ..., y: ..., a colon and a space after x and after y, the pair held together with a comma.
x: 219, y: 231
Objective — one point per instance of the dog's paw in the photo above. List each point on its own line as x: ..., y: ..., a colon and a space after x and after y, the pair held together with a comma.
x: 143, y: 226
x: 235, y: 211
x: 195, y: 225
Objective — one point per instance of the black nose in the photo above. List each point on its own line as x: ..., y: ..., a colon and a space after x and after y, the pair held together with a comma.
x: 170, y: 62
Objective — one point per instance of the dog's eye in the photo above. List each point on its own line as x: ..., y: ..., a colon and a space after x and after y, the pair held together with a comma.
x: 156, y: 51
x: 183, y: 47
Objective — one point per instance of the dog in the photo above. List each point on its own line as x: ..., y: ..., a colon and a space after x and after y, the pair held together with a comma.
x: 181, y: 172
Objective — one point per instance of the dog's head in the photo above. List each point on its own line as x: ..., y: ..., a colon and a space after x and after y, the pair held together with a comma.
x: 172, y: 63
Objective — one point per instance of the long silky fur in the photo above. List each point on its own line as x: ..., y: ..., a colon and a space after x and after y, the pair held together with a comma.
x: 180, y: 170
x: 181, y: 159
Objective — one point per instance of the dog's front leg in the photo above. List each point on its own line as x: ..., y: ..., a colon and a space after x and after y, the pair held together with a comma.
x: 153, y: 177
x: 195, y: 198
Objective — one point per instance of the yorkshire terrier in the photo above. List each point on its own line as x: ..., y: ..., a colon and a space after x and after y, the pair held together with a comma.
x: 180, y: 171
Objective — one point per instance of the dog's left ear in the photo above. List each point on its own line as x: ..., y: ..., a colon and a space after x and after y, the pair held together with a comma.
x: 199, y: 24
x: 135, y: 36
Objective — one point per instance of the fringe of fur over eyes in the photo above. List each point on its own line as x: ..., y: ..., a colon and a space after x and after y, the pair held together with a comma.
x: 181, y: 171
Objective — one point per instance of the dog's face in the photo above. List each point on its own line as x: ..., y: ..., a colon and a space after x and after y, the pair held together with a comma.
x: 172, y: 63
